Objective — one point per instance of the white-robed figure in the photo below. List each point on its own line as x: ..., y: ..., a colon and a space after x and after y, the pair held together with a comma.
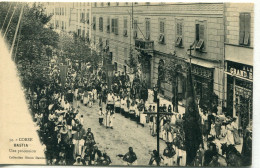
x: 76, y: 91
x: 230, y: 135
x: 107, y: 119
x: 85, y: 98
x: 90, y: 99
x: 122, y: 107
x: 94, y: 91
x: 117, y: 104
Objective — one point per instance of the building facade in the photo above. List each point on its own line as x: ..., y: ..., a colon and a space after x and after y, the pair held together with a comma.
x: 239, y: 48
x: 70, y: 17
x: 163, y: 32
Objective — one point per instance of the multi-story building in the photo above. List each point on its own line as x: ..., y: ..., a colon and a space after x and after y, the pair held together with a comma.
x: 162, y: 32
x: 239, y: 48
x: 70, y: 17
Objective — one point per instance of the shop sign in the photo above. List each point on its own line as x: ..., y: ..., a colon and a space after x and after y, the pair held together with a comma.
x: 240, y: 70
x: 202, y: 71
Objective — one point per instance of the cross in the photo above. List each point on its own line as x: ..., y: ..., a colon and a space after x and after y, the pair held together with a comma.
x: 157, y: 123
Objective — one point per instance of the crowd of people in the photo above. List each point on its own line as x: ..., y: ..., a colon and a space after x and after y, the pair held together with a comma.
x: 67, y: 143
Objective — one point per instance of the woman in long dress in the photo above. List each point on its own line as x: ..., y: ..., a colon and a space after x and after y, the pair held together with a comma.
x: 230, y: 135
x: 235, y: 132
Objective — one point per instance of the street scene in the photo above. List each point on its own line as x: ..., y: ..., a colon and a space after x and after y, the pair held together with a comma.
x: 136, y: 83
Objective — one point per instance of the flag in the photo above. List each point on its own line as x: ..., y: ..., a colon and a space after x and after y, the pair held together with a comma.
x: 63, y: 74
x: 193, y: 136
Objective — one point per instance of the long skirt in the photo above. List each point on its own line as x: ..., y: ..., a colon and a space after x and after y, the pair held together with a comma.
x: 85, y: 100
x: 230, y: 138
x: 117, y: 109
x: 168, y: 161
x: 236, y: 137
x: 107, y: 121
x: 143, y: 118
x: 168, y: 136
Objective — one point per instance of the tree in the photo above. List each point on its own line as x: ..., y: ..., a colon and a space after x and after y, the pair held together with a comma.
x: 34, y: 37
x: 173, y: 71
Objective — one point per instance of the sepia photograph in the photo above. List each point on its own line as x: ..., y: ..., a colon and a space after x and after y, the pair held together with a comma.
x: 126, y: 83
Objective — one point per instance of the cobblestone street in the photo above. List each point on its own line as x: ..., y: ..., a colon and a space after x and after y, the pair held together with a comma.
x: 116, y: 141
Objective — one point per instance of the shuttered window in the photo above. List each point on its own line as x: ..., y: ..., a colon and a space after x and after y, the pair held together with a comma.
x: 116, y: 26
x: 162, y: 27
x: 101, y: 24
x: 125, y: 27
x: 197, y: 32
x: 201, y: 36
x: 113, y: 26
x: 178, y: 42
x: 135, y: 29
x: 147, y: 28
x: 244, y: 28
x: 125, y: 23
x: 94, y: 23
x: 179, y: 29
x: 108, y: 25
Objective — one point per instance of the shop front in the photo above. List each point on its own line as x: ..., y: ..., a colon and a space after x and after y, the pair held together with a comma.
x: 203, y: 85
x: 239, y: 92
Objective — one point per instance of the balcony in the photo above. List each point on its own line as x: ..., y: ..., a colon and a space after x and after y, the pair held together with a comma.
x: 144, y: 45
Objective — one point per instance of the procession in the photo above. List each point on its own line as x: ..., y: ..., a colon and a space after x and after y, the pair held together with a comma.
x: 68, y: 143
x: 137, y: 97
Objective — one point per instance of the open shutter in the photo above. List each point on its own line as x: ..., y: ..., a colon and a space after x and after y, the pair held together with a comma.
x: 247, y: 29
x: 241, y: 28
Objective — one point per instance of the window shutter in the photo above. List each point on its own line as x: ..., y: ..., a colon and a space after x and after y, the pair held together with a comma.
x: 247, y: 29
x: 125, y: 23
x: 241, y: 28
x: 113, y: 25
x: 201, y: 32
x: 197, y: 32
x: 161, y: 27
x: 116, y: 26
x: 180, y: 29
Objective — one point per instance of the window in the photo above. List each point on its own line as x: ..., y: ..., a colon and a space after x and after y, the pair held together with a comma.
x: 244, y: 29
x: 115, y: 26
x: 135, y: 35
x: 125, y: 27
x: 117, y: 3
x: 95, y: 4
x: 125, y: 54
x: 102, y: 3
x: 101, y: 24
x: 147, y: 28
x: 79, y: 31
x: 108, y: 4
x: 62, y: 25
x: 200, y: 36
x: 100, y: 42
x: 87, y: 18
x: 94, y: 23
x: 108, y: 25
x: 82, y: 18
x: 179, y: 32
x: 162, y: 31
x: 83, y: 33
x: 126, y: 3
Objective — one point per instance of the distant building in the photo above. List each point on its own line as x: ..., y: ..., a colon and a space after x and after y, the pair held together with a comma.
x: 70, y: 17
x: 239, y: 49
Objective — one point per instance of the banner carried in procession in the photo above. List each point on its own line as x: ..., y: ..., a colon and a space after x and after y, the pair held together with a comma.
x: 63, y: 74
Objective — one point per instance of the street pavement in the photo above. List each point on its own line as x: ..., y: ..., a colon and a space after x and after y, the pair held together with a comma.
x: 124, y: 134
